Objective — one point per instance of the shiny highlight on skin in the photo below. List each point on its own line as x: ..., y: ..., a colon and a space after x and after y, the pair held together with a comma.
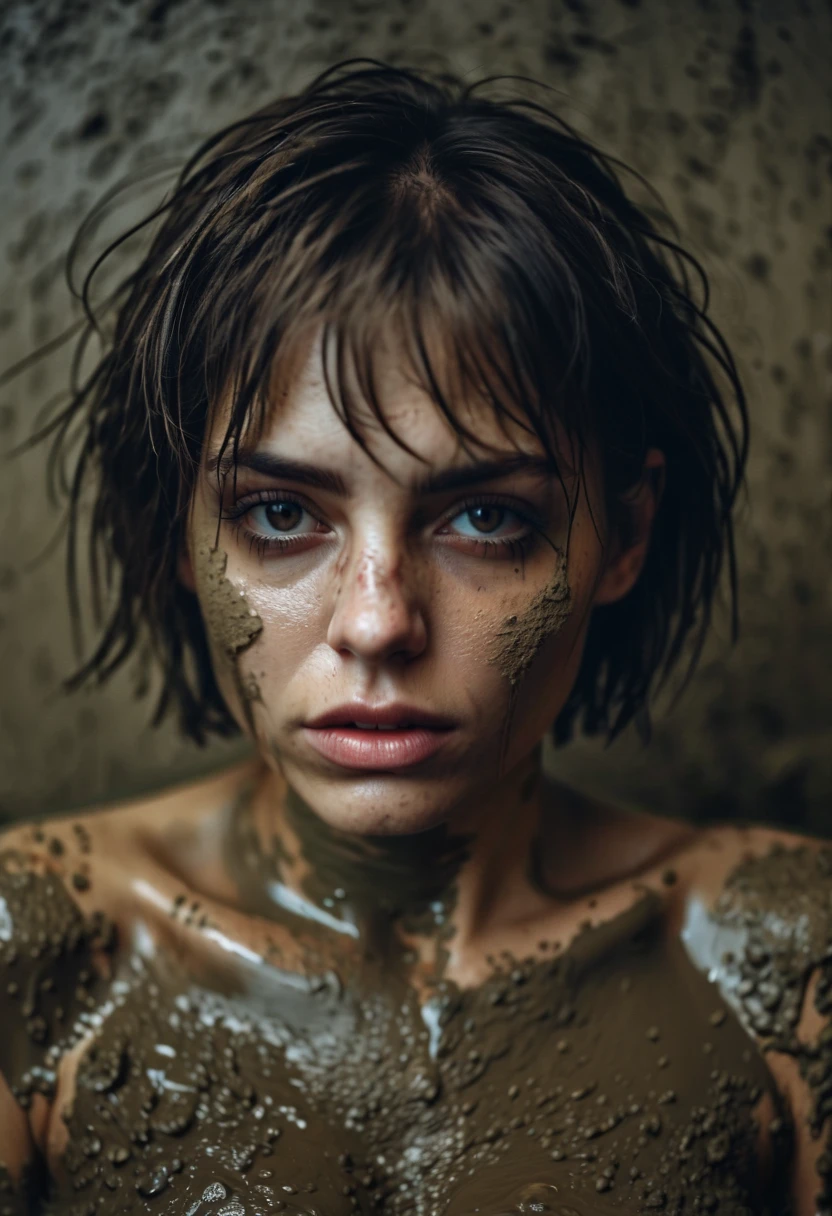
x: 568, y: 1082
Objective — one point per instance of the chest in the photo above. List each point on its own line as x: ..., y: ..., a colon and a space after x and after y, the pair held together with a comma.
x: 606, y: 1082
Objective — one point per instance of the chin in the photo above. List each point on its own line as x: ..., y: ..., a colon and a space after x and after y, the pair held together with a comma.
x: 375, y: 806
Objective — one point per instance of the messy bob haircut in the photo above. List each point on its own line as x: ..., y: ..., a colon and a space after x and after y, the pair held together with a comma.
x: 379, y: 193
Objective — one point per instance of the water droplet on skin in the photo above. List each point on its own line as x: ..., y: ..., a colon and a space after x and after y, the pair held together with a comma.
x: 153, y: 1183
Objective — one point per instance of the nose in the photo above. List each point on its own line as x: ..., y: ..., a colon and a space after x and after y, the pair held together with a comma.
x: 376, y: 615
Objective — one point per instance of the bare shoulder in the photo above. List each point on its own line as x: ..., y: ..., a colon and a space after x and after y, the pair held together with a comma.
x: 751, y: 892
x: 759, y: 920
x: 764, y: 900
x: 71, y: 884
x: 68, y: 886
x: 115, y: 838
x: 757, y: 910
x: 728, y: 863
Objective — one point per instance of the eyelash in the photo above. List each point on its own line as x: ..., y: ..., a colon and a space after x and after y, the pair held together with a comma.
x: 514, y: 548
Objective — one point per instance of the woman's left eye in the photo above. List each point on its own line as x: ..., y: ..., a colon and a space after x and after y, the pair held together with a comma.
x: 486, y: 519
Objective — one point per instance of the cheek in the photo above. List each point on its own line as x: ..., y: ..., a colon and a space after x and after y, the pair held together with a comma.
x: 523, y: 632
x: 296, y: 622
x: 231, y: 626
x: 293, y: 620
x: 545, y: 686
x: 538, y: 646
x: 486, y: 649
x: 298, y: 674
x: 286, y: 659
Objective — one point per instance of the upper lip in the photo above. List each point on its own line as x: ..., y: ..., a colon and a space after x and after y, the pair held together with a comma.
x: 393, y: 714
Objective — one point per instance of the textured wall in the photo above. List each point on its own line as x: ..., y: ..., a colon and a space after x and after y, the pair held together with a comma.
x: 725, y: 108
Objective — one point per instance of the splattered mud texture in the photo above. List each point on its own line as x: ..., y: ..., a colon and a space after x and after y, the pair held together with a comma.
x: 50, y: 966
x: 609, y: 1079
x: 522, y: 636
x: 778, y: 909
x: 382, y: 889
x: 185, y: 1105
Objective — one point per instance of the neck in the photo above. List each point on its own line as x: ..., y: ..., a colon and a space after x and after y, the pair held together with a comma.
x: 462, y: 878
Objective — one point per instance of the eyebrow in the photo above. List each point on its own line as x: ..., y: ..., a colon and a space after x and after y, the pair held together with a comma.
x: 283, y: 469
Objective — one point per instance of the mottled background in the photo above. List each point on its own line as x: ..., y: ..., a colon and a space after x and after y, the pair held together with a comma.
x: 726, y: 107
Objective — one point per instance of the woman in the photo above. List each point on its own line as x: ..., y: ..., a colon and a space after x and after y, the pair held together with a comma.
x: 410, y: 441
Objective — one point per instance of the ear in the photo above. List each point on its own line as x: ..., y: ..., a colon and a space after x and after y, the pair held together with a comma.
x: 632, y: 540
x: 185, y: 567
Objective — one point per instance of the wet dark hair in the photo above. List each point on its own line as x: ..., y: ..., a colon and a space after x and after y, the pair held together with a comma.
x: 381, y: 192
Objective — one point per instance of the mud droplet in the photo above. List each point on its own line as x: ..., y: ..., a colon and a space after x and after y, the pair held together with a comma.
x: 153, y: 1183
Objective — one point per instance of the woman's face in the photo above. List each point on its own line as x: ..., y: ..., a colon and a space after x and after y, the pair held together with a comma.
x: 346, y: 582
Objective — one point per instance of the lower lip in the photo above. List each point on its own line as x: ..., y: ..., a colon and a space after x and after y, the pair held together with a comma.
x: 375, y: 749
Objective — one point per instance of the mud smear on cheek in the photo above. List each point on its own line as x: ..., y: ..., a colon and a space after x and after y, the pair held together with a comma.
x: 522, y: 636
x: 230, y: 622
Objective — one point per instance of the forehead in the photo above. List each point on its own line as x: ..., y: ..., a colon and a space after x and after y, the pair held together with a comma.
x: 301, y: 421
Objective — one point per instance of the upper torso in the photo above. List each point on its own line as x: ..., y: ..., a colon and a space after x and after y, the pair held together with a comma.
x: 176, y: 1054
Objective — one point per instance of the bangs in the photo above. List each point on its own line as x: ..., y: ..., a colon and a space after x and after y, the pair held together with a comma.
x: 457, y: 304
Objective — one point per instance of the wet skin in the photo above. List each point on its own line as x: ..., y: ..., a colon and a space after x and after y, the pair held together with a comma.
x: 449, y: 985
x: 255, y: 1045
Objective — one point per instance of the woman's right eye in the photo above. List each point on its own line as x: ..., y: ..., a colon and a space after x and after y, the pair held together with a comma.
x: 280, y: 518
